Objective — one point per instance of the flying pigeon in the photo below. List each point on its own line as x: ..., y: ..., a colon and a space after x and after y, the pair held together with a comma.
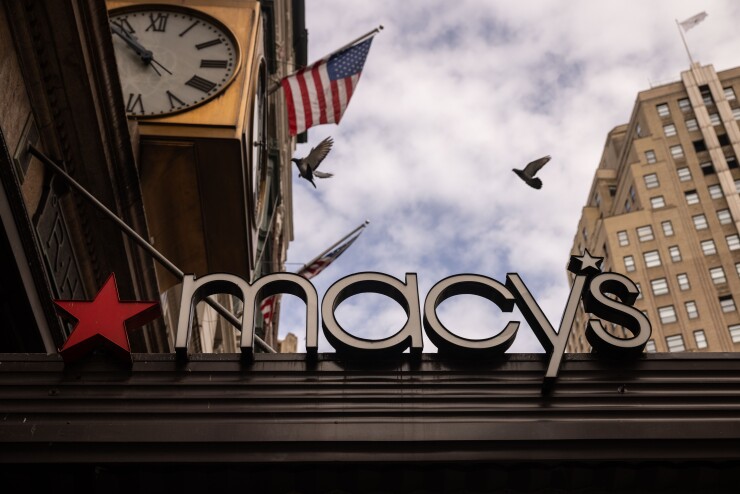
x: 308, y: 164
x: 530, y: 170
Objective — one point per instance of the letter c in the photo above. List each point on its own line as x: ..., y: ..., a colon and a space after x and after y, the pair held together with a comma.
x: 468, y: 284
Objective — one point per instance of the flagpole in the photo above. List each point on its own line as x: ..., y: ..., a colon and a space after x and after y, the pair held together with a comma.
x: 683, y: 38
x: 357, y: 40
x: 334, y: 245
x: 133, y: 235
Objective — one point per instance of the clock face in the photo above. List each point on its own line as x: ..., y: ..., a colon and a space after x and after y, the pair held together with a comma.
x: 170, y: 58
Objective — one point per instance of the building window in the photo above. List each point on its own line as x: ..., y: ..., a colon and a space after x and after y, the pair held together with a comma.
x: 718, y: 275
x: 627, y: 206
x: 667, y: 314
x: 731, y: 162
x: 707, y: 168
x: 650, y: 346
x: 663, y: 110
x: 737, y: 268
x: 729, y: 93
x: 684, y: 104
x: 645, y: 233
x: 691, y: 197
x: 650, y: 156
x: 737, y: 185
x: 675, y: 253
x: 667, y: 228
x: 659, y: 286
x: 683, y: 282
x: 735, y: 333
x: 657, y: 202
x: 724, y: 217
x: 677, y: 152
x: 639, y: 291
x: 736, y: 113
x: 699, y: 145
x: 684, y: 174
x: 715, y: 191
x: 584, y: 232
x: 629, y: 263
x: 700, y: 338
x: 612, y: 190
x: 669, y: 130
x: 691, y: 124
x: 633, y: 194
x: 623, y: 238
x: 714, y: 119
x: 700, y: 221
x: 597, y: 200
x: 727, y: 303
x: 708, y: 247
x: 723, y: 139
x: 675, y: 343
x: 706, y: 95
x: 651, y: 180
x: 652, y: 258
x: 733, y: 241
x: 691, y: 311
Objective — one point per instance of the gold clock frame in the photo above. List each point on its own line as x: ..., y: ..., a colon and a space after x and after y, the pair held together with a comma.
x: 197, y: 14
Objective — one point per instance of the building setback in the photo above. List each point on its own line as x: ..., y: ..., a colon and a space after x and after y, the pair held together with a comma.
x: 664, y: 210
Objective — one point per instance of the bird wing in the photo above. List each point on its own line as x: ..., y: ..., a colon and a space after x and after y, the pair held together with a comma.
x: 535, y: 165
x: 317, y: 154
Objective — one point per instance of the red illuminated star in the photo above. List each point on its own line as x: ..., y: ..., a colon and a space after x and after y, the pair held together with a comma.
x: 104, y: 321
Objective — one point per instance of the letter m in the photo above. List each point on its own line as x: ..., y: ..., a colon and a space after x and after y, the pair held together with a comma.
x: 195, y: 291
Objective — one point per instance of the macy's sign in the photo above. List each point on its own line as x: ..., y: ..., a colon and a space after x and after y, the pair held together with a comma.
x: 607, y: 296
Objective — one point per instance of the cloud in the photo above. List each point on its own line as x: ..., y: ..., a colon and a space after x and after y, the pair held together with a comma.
x: 453, y: 96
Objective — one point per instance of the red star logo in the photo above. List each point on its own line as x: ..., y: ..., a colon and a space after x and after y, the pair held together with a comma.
x: 104, y: 321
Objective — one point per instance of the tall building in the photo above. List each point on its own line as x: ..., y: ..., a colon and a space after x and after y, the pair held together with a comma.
x: 165, y: 113
x: 664, y: 210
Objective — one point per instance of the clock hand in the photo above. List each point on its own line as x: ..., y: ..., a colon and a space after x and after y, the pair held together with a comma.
x: 146, y: 55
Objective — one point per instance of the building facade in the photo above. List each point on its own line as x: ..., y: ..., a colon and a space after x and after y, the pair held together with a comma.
x: 664, y: 210
x: 202, y: 173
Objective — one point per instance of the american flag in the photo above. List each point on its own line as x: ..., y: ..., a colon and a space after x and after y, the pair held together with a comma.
x: 268, y: 309
x: 318, y: 265
x: 319, y: 93
x: 308, y: 271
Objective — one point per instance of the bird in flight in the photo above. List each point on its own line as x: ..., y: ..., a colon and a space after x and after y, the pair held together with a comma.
x: 529, y: 171
x: 308, y: 164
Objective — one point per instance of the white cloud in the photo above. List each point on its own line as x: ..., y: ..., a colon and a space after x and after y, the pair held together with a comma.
x: 454, y: 95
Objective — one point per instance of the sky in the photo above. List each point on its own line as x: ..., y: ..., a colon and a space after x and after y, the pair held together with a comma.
x: 452, y: 97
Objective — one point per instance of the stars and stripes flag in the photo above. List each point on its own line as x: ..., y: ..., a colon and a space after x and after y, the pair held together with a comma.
x: 693, y: 21
x: 319, y: 264
x: 311, y: 269
x: 319, y: 94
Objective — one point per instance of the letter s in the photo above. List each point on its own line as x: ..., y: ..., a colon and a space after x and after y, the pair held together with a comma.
x: 597, y: 303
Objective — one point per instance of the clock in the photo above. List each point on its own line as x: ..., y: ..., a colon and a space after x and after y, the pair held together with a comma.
x: 171, y: 58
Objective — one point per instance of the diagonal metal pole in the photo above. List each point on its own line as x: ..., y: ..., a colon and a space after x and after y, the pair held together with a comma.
x: 685, y: 45
x: 140, y: 241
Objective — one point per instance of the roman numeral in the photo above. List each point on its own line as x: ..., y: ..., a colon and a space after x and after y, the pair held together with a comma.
x: 191, y: 26
x: 159, y: 23
x: 133, y: 102
x: 201, y: 84
x: 124, y: 24
x: 206, y: 44
x: 213, y: 64
x: 173, y: 99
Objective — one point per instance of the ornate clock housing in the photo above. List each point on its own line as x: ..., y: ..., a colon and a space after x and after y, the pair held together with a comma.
x: 171, y: 58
